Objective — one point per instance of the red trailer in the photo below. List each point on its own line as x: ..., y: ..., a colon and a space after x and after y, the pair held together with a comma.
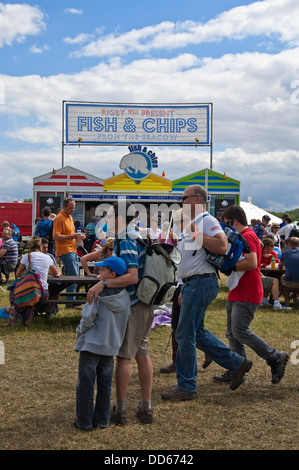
x: 18, y: 213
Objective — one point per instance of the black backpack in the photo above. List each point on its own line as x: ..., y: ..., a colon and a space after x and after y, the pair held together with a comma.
x: 294, y: 232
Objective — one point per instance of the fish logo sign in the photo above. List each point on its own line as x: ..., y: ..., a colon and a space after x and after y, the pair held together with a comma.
x: 137, y: 165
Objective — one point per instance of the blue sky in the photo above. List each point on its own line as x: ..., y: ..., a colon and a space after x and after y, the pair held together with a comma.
x: 240, y: 55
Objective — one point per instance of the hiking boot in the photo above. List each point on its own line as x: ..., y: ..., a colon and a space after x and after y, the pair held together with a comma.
x: 177, y: 394
x: 145, y: 416
x: 168, y: 369
x: 237, y: 375
x: 206, y: 362
x: 226, y: 378
x: 171, y: 368
x: 278, y: 367
x: 118, y: 417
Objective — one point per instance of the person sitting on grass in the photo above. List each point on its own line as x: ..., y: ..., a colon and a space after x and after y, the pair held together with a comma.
x: 99, y: 337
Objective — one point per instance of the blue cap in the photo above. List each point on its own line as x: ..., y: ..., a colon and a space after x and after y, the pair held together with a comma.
x: 114, y: 263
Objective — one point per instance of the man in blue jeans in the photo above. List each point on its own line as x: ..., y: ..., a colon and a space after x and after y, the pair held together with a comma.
x: 65, y: 237
x: 200, y: 288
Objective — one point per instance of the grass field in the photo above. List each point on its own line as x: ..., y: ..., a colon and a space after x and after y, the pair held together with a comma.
x: 38, y: 380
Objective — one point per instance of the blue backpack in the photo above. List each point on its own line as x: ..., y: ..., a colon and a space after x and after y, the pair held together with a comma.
x: 16, y: 231
x: 45, y: 228
x: 237, y: 244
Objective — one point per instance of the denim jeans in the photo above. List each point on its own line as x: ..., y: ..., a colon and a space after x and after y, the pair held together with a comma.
x: 239, y: 316
x: 71, y: 264
x: 197, y: 294
x: 93, y: 367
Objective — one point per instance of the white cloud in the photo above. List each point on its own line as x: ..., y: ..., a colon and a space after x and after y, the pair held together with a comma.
x: 74, y: 11
x: 269, y: 17
x: 19, y: 21
x: 256, y: 114
x: 39, y: 50
x: 255, y: 98
x: 79, y: 39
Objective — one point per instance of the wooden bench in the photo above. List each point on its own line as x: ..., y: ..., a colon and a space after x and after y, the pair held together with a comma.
x: 59, y: 284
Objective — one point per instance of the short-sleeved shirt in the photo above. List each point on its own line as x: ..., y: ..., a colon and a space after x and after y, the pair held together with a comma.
x: 91, y: 228
x: 41, y: 263
x: 193, y: 256
x: 250, y: 287
x: 133, y: 254
x: 267, y: 260
x: 290, y: 258
x: 285, y: 231
x: 63, y: 225
x: 11, y: 256
x: 260, y: 233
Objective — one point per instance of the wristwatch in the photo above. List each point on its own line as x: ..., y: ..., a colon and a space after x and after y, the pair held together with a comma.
x: 104, y: 281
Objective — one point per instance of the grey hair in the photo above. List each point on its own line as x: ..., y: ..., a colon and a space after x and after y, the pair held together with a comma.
x: 200, y: 191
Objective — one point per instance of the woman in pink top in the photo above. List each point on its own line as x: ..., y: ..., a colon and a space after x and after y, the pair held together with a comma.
x: 167, y: 233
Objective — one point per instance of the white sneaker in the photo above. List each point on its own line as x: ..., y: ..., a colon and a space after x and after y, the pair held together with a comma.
x: 265, y: 303
x: 277, y: 306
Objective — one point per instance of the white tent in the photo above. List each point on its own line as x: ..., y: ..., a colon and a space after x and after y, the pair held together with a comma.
x: 254, y: 212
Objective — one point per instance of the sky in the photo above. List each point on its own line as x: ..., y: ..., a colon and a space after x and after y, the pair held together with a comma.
x: 242, y: 56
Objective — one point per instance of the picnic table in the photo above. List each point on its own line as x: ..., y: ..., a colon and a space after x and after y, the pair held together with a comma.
x: 272, y: 272
x: 59, y: 284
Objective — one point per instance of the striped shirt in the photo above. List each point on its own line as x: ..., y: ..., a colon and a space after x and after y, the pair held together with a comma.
x: 133, y: 254
x: 11, y: 255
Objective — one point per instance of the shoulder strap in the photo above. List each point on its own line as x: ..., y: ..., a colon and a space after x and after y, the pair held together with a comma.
x: 201, y: 216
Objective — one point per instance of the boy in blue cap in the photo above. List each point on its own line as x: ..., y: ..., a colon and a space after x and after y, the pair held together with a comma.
x: 99, y: 337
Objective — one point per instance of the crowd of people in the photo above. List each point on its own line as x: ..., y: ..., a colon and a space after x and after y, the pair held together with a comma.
x: 115, y: 324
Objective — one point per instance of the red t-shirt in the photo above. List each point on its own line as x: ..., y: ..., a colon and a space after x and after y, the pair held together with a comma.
x: 250, y: 286
x: 267, y: 260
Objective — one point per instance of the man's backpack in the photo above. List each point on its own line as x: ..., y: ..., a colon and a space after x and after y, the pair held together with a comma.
x: 237, y: 245
x: 294, y: 232
x: 45, y: 228
x: 159, y: 277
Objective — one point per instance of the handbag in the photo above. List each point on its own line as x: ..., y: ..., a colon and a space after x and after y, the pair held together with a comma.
x: 29, y: 288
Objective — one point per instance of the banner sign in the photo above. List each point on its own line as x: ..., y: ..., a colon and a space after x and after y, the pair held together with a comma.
x: 130, y: 197
x: 127, y: 124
